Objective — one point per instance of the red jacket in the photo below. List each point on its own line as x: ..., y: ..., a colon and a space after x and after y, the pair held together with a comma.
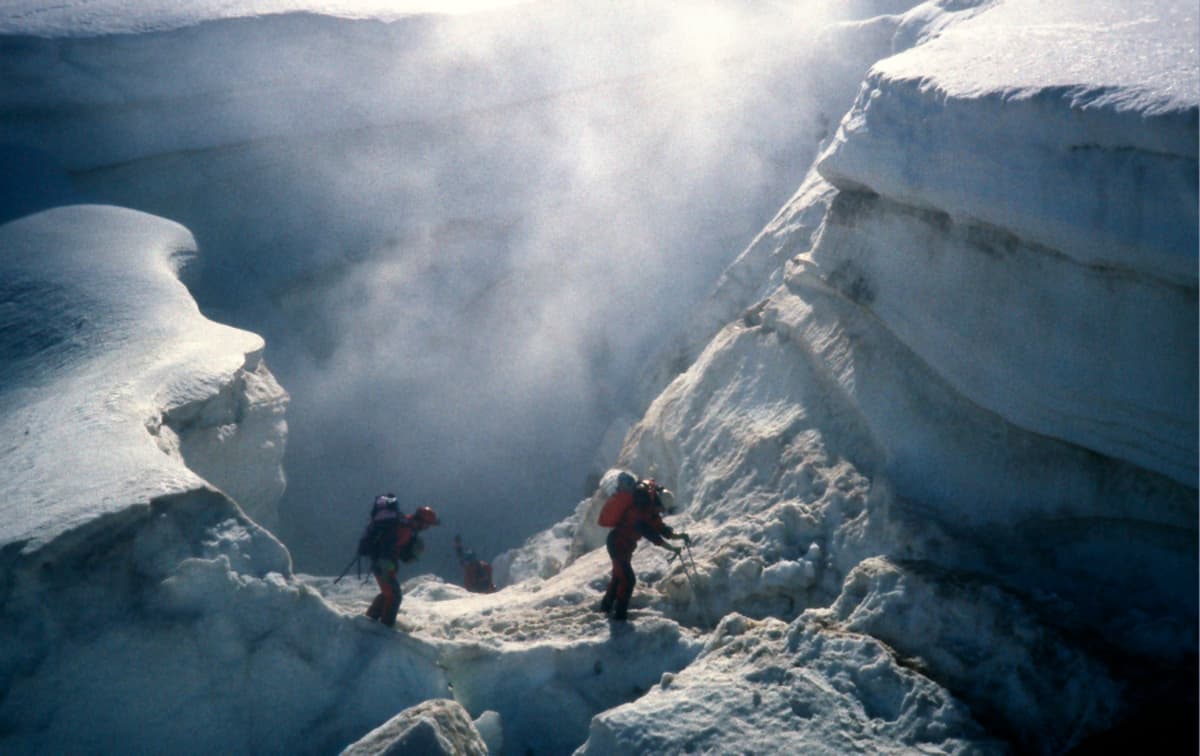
x: 641, y: 518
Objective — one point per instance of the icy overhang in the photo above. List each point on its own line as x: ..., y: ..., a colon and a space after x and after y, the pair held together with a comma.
x: 1072, y: 125
x: 98, y: 341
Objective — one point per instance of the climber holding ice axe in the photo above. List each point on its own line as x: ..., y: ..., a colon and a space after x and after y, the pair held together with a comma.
x: 633, y: 512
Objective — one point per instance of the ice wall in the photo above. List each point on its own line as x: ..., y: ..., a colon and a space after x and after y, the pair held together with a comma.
x: 966, y: 347
x: 1049, y: 213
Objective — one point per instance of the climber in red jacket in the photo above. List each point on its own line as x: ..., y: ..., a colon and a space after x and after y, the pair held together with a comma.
x: 633, y: 512
x: 391, y: 537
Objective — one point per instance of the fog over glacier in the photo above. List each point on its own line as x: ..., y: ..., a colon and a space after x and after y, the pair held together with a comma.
x: 899, y: 298
x: 464, y: 238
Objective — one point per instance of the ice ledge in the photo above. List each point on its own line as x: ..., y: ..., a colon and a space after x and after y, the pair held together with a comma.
x: 1106, y: 187
x: 234, y: 438
x: 108, y: 344
x: 1098, y: 357
x: 1076, y: 128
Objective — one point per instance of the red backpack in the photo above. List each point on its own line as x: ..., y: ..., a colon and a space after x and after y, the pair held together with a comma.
x: 614, y: 509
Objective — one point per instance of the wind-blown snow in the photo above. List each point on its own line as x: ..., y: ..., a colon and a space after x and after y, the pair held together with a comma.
x: 411, y: 211
x: 445, y: 220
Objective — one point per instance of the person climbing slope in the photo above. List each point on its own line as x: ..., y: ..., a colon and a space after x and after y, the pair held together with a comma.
x: 390, y: 538
x: 477, y: 574
x: 633, y: 512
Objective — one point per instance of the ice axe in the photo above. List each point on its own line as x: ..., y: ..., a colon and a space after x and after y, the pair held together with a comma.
x: 353, y: 562
x: 687, y: 573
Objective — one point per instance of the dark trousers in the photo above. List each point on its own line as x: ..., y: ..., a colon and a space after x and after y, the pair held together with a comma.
x: 620, y: 586
x: 387, y: 603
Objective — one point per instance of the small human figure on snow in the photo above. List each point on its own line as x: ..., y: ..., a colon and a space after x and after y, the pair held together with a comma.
x: 633, y: 512
x: 477, y: 574
x: 390, y: 538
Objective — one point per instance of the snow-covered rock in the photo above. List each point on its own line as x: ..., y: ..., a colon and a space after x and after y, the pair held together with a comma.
x: 767, y: 687
x: 440, y: 726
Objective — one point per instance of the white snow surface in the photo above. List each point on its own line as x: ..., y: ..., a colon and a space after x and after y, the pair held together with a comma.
x: 440, y: 726
x: 1035, y: 240
x: 113, y: 384
x: 1033, y: 119
x: 110, y: 371
x: 933, y: 438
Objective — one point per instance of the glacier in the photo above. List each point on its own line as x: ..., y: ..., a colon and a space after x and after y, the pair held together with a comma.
x: 416, y: 183
x: 932, y: 426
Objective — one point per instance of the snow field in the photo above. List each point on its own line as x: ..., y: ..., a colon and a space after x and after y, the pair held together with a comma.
x: 431, y: 727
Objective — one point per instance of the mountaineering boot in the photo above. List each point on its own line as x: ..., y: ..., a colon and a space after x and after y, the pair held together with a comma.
x: 620, y: 610
x: 376, y: 608
x: 388, y: 615
x: 606, y: 603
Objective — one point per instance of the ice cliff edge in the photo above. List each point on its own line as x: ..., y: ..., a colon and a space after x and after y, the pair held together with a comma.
x: 1040, y: 217
x: 116, y: 391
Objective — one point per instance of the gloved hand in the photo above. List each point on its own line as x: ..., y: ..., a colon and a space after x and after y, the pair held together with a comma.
x: 675, y: 550
x: 687, y: 539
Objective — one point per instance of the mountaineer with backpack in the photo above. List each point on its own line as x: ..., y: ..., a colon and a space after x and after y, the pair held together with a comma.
x: 391, y: 537
x: 633, y: 512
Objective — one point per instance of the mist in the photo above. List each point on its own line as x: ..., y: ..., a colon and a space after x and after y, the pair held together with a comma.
x: 467, y: 240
